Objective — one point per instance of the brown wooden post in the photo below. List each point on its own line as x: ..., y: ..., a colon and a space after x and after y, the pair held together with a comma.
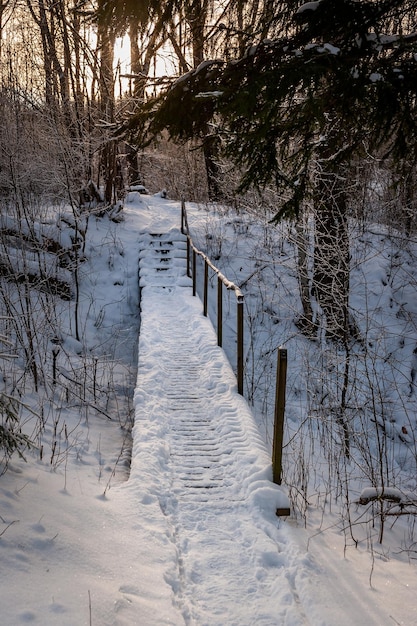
x: 240, y: 345
x: 194, y: 272
x: 188, y: 256
x: 280, y: 387
x: 205, y: 287
x: 183, y: 217
x: 219, y: 311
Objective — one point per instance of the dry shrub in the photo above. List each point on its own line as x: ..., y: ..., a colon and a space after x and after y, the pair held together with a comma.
x: 177, y: 168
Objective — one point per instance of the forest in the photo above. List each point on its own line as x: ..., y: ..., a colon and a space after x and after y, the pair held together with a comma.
x: 300, y: 115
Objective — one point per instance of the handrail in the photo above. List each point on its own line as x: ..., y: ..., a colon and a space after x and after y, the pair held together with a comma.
x: 281, y: 374
x: 226, y: 282
x: 192, y: 253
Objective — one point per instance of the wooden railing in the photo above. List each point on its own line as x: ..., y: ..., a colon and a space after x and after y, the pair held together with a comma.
x: 281, y: 375
x: 222, y: 282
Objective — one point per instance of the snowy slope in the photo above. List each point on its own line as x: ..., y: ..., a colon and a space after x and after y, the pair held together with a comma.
x: 191, y: 537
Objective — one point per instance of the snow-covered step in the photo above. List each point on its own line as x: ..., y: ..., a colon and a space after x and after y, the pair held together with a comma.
x: 152, y: 265
x: 162, y: 259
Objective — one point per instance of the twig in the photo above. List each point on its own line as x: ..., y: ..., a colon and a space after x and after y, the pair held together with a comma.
x: 8, y: 526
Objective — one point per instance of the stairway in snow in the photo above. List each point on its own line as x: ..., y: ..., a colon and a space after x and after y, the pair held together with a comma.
x: 162, y: 259
x: 198, y: 387
x: 197, y: 451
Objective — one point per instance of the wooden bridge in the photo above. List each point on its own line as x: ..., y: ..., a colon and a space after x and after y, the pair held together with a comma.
x: 196, y: 448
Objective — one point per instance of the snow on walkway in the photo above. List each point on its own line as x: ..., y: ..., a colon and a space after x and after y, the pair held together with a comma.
x: 199, y: 435
x: 199, y: 464
x: 191, y: 538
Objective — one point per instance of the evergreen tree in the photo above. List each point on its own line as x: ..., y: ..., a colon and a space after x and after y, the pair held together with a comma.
x: 299, y: 109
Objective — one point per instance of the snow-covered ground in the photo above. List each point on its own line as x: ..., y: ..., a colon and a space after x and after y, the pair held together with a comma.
x: 190, y: 535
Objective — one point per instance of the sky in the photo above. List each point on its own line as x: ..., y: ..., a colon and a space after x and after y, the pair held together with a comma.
x: 176, y: 524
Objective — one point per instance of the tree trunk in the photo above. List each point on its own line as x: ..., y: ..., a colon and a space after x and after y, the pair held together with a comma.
x: 305, y: 323
x: 210, y: 151
x: 3, y: 7
x: 106, y: 40
x: 331, y: 255
x: 196, y: 17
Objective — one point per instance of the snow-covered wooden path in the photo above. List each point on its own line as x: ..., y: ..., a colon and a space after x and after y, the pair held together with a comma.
x: 199, y: 434
x: 202, y: 478
x: 191, y: 537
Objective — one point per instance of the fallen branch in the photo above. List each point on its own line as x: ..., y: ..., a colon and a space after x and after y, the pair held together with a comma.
x: 388, y: 494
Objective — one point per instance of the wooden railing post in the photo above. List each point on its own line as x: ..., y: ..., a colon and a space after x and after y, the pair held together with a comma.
x: 240, y: 345
x: 188, y: 256
x: 219, y: 311
x: 280, y: 388
x: 194, y: 272
x: 184, y: 229
x: 205, y: 299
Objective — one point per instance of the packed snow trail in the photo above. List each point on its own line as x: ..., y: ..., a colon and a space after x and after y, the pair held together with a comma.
x: 213, y: 460
x: 198, y: 455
